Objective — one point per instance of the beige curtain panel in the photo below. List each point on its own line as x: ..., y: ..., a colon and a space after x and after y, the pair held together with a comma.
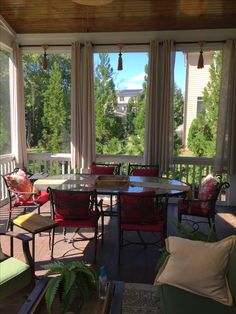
x: 159, y: 115
x: 226, y: 136
x: 18, y: 136
x: 82, y: 106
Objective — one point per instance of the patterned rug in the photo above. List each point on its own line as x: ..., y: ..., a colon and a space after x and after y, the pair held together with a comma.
x: 141, y: 299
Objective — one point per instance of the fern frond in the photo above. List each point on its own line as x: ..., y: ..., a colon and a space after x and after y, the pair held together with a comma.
x: 51, y: 291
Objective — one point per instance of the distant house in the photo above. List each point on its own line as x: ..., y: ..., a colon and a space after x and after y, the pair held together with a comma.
x: 123, y: 97
x: 196, y: 80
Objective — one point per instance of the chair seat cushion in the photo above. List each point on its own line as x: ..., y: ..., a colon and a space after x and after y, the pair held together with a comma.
x: 158, y: 227
x: 82, y: 223
x: 41, y: 198
x: 195, y: 208
x: 14, y: 275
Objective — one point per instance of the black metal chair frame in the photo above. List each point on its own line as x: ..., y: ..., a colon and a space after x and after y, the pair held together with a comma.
x: 12, y: 196
x: 124, y: 242
x: 110, y: 212
x: 93, y: 204
x: 211, y: 204
x: 132, y: 167
x: 25, y: 247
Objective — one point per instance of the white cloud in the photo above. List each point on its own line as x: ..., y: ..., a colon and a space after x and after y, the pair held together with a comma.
x: 135, y: 82
x: 138, y: 78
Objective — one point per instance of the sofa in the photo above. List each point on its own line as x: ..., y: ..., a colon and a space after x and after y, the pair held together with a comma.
x: 175, y: 300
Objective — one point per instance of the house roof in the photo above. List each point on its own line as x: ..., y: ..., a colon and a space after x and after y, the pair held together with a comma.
x: 60, y: 16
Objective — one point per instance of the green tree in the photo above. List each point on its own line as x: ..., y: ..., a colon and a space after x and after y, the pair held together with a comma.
x: 36, y: 81
x: 109, y: 127
x: 178, y: 106
x: 5, y: 125
x: 203, y: 130
x: 54, y: 113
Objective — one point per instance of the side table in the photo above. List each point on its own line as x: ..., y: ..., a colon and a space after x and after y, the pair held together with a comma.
x: 34, y: 223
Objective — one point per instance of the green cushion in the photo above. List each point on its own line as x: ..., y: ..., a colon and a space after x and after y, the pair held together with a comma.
x: 14, y: 275
x: 179, y: 301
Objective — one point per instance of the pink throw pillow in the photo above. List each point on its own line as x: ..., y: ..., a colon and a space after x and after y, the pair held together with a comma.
x: 208, y: 188
x: 19, y: 182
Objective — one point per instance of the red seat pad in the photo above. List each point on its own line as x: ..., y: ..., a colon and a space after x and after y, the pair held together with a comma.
x: 158, y: 227
x: 195, y: 207
x: 41, y: 198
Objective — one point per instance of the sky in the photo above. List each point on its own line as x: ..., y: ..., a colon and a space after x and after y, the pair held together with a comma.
x: 132, y: 75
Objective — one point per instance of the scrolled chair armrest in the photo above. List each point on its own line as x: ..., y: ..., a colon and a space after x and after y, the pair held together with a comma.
x: 21, y: 236
x: 25, y: 245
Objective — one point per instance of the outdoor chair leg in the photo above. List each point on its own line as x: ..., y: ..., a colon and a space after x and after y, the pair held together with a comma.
x: 52, y: 242
x: 96, y: 240
x: 102, y: 229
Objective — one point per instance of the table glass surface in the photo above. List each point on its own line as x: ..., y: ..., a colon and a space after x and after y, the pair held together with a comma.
x: 82, y: 182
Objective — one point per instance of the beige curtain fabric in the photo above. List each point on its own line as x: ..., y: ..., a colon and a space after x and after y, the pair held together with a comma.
x: 226, y: 137
x: 18, y: 136
x: 82, y: 106
x: 159, y: 114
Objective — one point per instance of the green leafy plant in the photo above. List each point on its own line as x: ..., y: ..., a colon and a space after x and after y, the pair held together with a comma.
x: 73, y: 280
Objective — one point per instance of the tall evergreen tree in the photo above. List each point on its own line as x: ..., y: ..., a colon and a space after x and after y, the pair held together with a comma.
x: 109, y: 127
x: 5, y: 125
x: 36, y: 81
x: 178, y: 106
x: 54, y: 113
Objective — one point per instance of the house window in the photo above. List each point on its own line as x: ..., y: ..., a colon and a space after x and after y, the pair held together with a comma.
x: 120, y: 128
x: 47, y: 102
x: 5, y: 105
x: 200, y: 106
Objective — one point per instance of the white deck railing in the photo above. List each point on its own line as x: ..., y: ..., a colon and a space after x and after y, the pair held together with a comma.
x: 187, y: 169
x: 7, y: 164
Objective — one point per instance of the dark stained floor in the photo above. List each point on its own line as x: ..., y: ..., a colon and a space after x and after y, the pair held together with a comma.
x: 138, y: 264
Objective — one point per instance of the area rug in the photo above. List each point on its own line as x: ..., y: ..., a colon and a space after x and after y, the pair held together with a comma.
x: 141, y: 299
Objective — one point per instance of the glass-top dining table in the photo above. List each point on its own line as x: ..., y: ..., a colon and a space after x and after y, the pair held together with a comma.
x: 112, y: 185
x: 109, y: 184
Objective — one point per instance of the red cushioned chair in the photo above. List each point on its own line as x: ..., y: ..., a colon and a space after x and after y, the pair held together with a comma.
x: 140, y: 212
x: 143, y: 170
x: 21, y: 193
x: 106, y: 169
x: 77, y: 209
x: 204, y: 205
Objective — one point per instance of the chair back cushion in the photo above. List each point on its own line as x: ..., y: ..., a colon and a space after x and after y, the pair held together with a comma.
x: 138, y: 208
x: 148, y: 172
x: 19, y: 182
x: 102, y: 169
x: 71, y: 204
x: 208, y: 188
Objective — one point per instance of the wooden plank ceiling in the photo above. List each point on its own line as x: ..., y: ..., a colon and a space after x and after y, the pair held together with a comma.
x: 66, y: 16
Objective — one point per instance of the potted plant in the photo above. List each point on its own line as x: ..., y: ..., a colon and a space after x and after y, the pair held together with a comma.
x: 74, y: 280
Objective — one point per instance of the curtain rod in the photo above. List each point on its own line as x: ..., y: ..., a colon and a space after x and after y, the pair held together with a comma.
x: 127, y: 44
